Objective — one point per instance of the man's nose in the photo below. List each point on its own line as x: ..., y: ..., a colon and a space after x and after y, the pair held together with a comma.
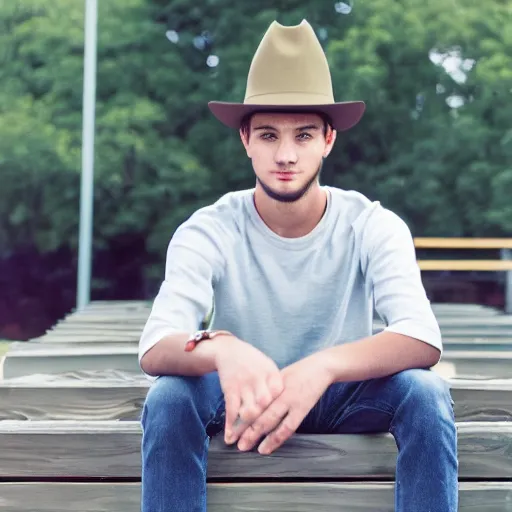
x: 286, y: 153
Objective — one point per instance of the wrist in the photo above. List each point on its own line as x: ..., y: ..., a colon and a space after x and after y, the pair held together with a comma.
x: 200, y: 336
x: 221, y: 345
x: 215, y: 347
x: 325, y: 366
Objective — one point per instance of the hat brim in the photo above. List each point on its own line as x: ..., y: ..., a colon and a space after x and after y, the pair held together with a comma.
x: 343, y: 115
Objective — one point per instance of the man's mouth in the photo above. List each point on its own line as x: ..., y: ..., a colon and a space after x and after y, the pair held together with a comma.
x: 284, y: 175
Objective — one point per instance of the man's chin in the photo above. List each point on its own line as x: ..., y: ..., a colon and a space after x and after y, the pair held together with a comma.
x: 288, y: 196
x: 282, y: 196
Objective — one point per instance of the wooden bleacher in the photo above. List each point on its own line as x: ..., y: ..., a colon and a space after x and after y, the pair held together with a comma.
x: 503, y: 265
x: 80, y: 386
x: 103, y: 453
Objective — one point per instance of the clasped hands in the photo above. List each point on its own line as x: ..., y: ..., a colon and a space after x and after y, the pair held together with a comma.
x: 264, y: 403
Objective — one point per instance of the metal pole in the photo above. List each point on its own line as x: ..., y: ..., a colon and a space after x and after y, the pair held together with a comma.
x: 506, y: 254
x: 88, y: 120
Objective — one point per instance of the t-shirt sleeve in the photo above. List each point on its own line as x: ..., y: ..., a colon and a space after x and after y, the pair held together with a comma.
x: 185, y: 297
x: 389, y: 256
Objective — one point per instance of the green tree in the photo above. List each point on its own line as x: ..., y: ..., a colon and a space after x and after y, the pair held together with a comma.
x: 435, y: 144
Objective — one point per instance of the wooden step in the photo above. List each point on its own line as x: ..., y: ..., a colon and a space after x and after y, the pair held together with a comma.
x: 477, y: 332
x: 111, y: 449
x: 86, y: 336
x: 33, y: 358
x: 238, y: 497
x: 120, y: 396
x: 449, y: 331
x: 464, y: 309
x: 80, y: 400
x: 38, y: 358
x: 26, y: 358
x: 479, y: 363
x: 116, y: 333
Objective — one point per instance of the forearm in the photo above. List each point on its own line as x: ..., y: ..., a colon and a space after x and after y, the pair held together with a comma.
x: 378, y: 356
x: 168, y: 357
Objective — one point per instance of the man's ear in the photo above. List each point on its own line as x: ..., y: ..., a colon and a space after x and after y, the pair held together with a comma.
x: 330, y: 139
x: 245, y: 142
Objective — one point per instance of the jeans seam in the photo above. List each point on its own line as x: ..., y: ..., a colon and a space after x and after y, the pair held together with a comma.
x: 384, y: 408
x: 204, y: 463
x: 212, y: 421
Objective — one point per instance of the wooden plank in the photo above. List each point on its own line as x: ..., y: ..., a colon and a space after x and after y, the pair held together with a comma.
x: 497, y: 333
x: 241, y: 497
x: 84, y: 395
x: 107, y: 319
x: 460, y: 342
x: 482, y: 400
x: 48, y: 449
x: 124, y: 305
x: 24, y: 350
x: 476, y: 345
x: 480, y: 322
x: 120, y: 327
x: 41, y: 358
x: 504, y: 342
x: 479, y: 364
x: 85, y: 337
x: 121, y: 305
x: 451, y: 309
x: 466, y: 265
x: 460, y: 322
x: 462, y: 243
x: 88, y: 396
x: 78, y: 401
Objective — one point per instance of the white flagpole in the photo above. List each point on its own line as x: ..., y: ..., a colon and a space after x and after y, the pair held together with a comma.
x: 87, y: 189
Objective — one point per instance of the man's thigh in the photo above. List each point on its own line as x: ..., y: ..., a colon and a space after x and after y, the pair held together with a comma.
x: 370, y: 406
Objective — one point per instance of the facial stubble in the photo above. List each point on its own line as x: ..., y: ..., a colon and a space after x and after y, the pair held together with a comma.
x: 290, y: 197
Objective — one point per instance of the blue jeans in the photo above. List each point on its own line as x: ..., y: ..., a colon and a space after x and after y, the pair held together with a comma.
x: 180, y: 415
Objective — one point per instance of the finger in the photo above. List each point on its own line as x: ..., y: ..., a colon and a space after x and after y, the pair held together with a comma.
x: 269, y: 420
x: 275, y: 385
x: 246, y: 412
x: 263, y: 396
x: 249, y: 409
x: 282, y: 433
x: 248, y: 439
x: 232, y: 409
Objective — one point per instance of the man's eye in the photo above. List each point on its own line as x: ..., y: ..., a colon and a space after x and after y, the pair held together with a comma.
x: 304, y: 136
x: 268, y: 136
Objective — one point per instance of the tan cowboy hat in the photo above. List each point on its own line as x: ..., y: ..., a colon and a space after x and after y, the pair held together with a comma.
x: 289, y: 73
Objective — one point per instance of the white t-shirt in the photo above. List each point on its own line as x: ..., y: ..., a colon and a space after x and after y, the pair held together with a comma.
x: 290, y: 297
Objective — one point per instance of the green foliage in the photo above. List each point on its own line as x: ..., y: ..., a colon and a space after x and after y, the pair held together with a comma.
x: 160, y: 154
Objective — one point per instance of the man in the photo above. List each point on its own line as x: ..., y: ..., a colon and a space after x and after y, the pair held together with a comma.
x: 294, y: 270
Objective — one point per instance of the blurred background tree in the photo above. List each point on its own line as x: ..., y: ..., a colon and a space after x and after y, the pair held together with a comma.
x: 435, y: 144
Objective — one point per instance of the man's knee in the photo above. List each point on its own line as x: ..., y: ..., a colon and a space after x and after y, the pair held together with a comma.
x: 169, y: 399
x: 173, y: 401
x: 426, y: 396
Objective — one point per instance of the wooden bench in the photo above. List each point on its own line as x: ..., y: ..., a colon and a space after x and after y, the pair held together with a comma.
x: 81, y: 451
x: 120, y: 396
x: 105, y: 336
x: 29, y: 359
x: 33, y: 358
x: 505, y: 264
x: 95, y: 466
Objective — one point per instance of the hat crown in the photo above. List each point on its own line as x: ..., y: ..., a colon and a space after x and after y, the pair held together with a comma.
x: 289, y: 67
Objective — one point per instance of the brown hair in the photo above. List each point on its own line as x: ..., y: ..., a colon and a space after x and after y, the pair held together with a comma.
x: 245, y: 124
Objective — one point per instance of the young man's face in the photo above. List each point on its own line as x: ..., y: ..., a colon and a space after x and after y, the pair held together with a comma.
x: 287, y: 151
